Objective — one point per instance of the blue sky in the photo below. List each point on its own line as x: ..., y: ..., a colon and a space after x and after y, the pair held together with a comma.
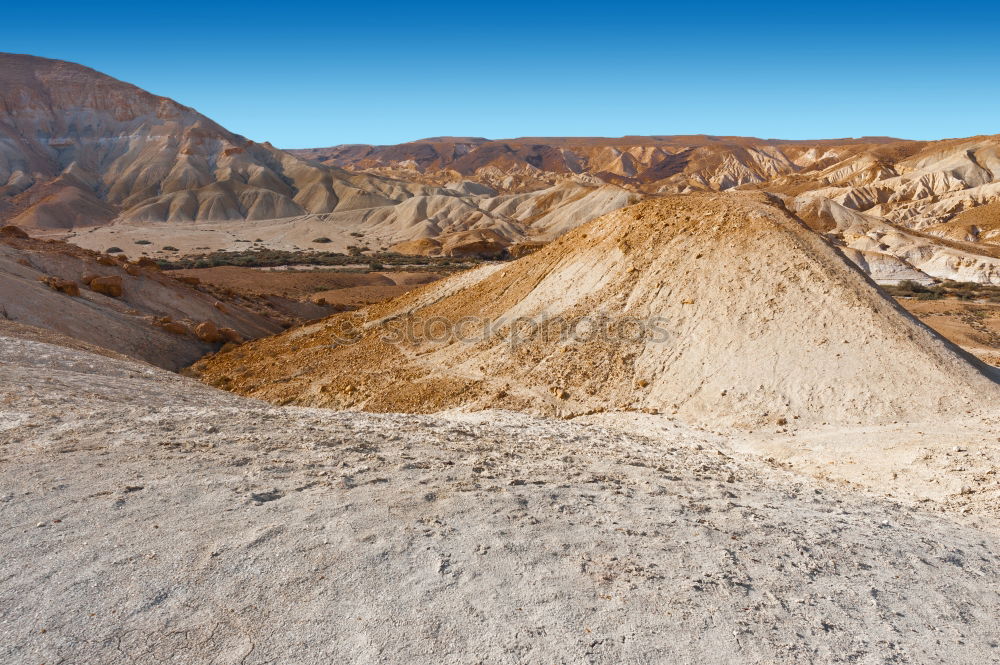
x: 317, y: 74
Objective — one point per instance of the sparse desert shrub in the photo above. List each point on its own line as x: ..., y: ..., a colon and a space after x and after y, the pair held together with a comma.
x: 170, y: 248
x: 947, y: 289
x: 911, y: 289
x: 912, y: 286
x: 143, y: 242
x: 375, y: 265
x: 321, y: 240
x: 11, y: 231
x: 263, y: 257
x: 357, y: 235
x: 114, y: 250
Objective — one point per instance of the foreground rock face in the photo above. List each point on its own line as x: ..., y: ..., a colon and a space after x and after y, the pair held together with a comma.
x: 723, y: 309
x: 150, y: 519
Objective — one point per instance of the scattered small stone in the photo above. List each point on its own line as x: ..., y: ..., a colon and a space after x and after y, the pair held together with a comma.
x: 264, y: 497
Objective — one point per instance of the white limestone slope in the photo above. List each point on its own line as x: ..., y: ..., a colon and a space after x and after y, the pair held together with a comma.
x: 149, y: 519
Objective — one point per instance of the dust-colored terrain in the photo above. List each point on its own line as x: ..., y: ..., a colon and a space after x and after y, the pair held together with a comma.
x: 149, y: 518
x: 975, y: 326
x: 685, y: 426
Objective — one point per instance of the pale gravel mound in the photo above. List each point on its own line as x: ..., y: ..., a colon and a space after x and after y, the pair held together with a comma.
x: 757, y: 320
x: 149, y: 519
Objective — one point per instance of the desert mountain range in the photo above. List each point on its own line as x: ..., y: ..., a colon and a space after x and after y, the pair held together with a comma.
x: 654, y: 164
x: 104, y: 163
x: 902, y: 209
x: 81, y: 149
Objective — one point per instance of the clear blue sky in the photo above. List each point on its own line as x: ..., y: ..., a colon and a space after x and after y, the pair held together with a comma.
x: 322, y: 73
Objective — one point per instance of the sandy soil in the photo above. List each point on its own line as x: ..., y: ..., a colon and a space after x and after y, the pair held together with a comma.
x: 975, y: 326
x: 194, y: 238
x: 151, y: 519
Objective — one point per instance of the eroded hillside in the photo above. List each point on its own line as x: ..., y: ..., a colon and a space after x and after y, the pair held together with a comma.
x: 720, y: 308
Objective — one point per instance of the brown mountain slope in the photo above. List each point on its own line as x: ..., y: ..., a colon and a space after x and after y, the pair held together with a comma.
x: 723, y: 309
x: 79, y: 148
